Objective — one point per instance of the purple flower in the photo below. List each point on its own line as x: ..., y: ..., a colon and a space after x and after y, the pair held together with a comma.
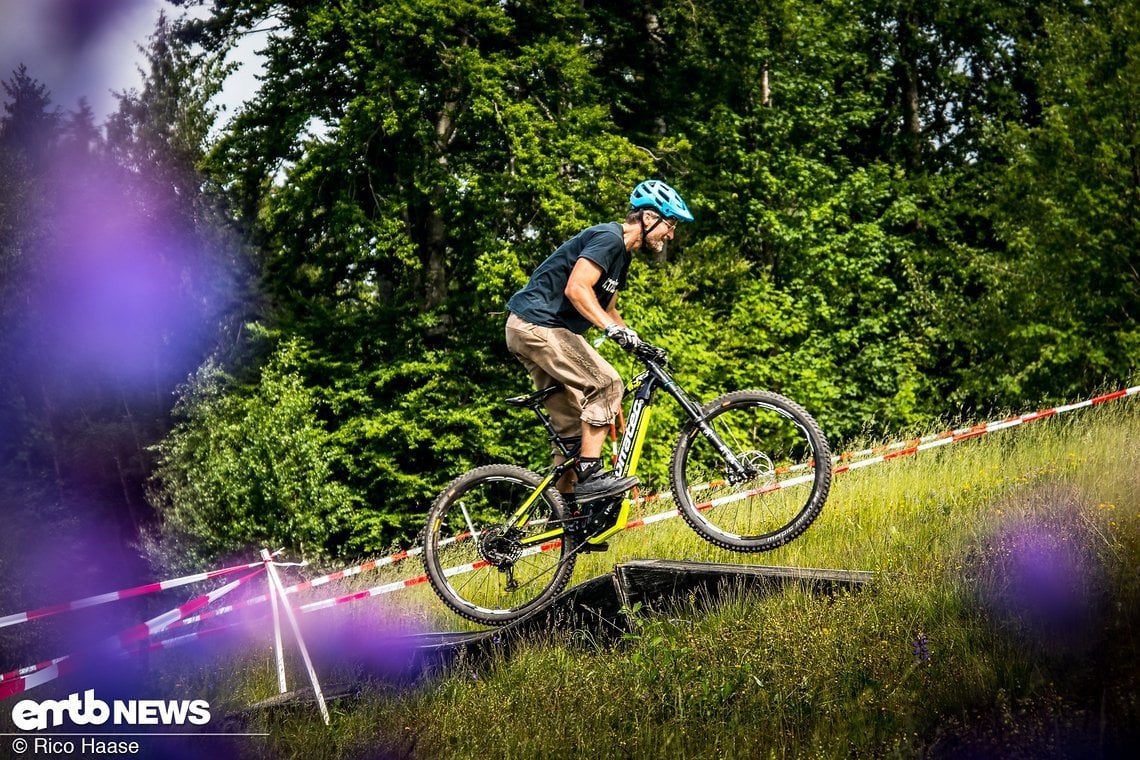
x: 921, y: 648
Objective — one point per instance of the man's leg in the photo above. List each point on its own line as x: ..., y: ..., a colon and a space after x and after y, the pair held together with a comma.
x: 593, y: 439
x: 569, y: 359
x: 565, y: 408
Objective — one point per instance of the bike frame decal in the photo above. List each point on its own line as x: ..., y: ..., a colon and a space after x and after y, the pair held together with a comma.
x: 630, y: 455
x: 631, y: 442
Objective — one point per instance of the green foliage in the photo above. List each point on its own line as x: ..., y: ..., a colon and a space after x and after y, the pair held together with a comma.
x: 249, y: 468
x: 405, y: 168
x: 1066, y: 209
x: 863, y: 242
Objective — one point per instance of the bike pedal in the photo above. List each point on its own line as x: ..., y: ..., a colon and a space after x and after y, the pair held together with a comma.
x: 586, y: 547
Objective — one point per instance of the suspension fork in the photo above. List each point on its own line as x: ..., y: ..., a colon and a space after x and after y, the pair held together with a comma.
x: 737, y: 471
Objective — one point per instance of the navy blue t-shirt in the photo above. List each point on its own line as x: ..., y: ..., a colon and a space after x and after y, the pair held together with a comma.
x: 543, y: 301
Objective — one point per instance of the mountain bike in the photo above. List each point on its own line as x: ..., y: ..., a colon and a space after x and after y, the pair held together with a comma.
x: 750, y: 472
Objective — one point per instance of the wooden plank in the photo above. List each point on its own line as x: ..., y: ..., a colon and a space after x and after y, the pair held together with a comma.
x: 596, y: 604
x: 675, y: 567
x: 591, y: 605
x: 655, y: 582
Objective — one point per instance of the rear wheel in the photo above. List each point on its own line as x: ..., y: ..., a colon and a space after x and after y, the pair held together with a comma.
x: 475, y: 557
x: 787, y: 478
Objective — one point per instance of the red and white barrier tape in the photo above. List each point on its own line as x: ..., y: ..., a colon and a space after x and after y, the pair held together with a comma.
x: 114, y: 596
x: 348, y: 572
x: 895, y: 451
x: 163, y: 621
x: 185, y: 638
x: 371, y: 565
x: 30, y: 669
x: 989, y: 427
x: 123, y: 640
x: 388, y: 588
x: 218, y: 611
x: 926, y: 443
x: 58, y: 667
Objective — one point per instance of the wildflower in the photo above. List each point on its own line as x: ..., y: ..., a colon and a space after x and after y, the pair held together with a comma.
x: 921, y: 648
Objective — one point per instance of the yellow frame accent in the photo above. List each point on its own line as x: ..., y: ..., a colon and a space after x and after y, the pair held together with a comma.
x: 519, y: 518
x: 634, y: 459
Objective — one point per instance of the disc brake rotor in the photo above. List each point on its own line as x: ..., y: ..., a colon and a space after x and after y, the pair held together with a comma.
x: 759, y: 466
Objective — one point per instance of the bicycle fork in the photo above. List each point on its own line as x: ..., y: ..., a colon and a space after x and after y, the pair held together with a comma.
x: 737, y: 472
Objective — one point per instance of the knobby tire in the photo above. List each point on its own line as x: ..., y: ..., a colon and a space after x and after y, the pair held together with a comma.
x: 786, y: 448
x: 487, y: 497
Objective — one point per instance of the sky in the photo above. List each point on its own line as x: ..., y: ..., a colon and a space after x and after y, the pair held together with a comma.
x: 90, y: 48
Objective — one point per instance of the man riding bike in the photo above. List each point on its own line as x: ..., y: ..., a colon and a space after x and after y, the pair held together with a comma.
x: 574, y: 288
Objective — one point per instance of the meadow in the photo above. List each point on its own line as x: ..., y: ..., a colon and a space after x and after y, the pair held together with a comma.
x: 1001, y: 623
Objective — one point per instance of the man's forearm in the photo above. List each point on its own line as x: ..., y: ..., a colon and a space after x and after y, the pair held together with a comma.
x: 586, y: 303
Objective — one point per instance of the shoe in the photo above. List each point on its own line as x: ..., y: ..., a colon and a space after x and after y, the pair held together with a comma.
x: 602, y: 486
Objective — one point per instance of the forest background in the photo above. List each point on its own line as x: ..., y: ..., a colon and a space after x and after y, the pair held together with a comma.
x: 284, y: 327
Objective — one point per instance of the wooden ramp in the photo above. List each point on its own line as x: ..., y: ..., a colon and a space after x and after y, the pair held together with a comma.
x: 654, y: 582
x: 598, y: 605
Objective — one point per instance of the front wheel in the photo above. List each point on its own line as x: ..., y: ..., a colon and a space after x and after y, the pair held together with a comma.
x: 485, y: 565
x: 782, y: 481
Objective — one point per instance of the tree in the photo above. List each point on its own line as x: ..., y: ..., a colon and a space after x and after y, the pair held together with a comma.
x: 29, y: 127
x: 1067, y: 210
x: 404, y: 167
x: 250, y: 470
x: 29, y: 131
x: 857, y: 171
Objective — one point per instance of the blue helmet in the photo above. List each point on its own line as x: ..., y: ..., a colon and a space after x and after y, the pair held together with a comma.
x: 655, y: 195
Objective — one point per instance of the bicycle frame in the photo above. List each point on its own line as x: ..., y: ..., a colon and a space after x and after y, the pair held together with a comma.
x: 643, y: 387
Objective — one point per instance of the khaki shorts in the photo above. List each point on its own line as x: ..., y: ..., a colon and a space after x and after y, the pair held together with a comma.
x: 556, y: 355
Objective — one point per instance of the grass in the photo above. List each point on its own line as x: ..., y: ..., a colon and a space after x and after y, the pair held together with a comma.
x: 1002, y: 623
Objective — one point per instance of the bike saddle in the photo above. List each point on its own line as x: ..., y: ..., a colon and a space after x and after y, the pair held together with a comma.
x: 533, y: 400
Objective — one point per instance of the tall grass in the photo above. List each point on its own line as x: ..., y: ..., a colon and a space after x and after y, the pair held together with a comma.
x: 1001, y: 623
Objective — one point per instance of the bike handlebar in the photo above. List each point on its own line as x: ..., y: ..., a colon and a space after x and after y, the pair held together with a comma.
x: 648, y: 352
